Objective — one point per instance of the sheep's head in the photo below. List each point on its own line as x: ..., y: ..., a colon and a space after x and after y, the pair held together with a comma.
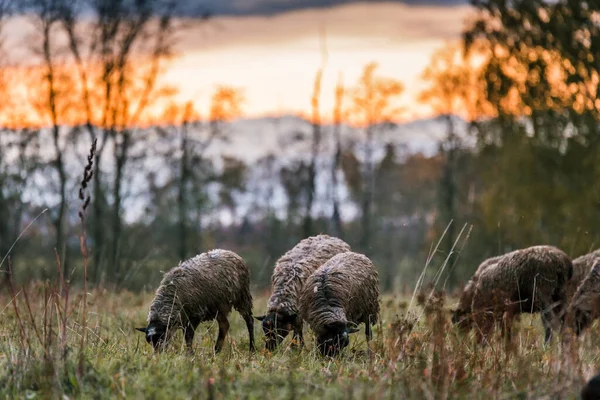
x: 461, y: 314
x: 586, y: 302
x: 582, y: 319
x: 276, y: 327
x: 461, y: 318
x: 156, y: 334
x: 335, y: 337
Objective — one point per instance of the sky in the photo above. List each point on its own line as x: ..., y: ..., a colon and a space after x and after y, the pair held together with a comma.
x: 271, y: 49
x: 272, y: 7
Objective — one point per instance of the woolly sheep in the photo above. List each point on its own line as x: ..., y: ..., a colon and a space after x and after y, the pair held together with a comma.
x: 466, y: 298
x: 200, y: 289
x: 529, y: 280
x: 585, y: 305
x: 289, y: 275
x: 581, y: 268
x: 338, y: 296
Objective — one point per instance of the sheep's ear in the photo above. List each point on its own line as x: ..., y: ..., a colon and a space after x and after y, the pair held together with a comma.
x: 260, y: 317
x: 141, y: 329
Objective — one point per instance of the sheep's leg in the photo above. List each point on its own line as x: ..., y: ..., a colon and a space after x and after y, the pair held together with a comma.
x: 250, y: 325
x: 551, y: 321
x: 368, y: 331
x: 223, y: 329
x: 507, y: 323
x: 546, y: 321
x: 188, y: 334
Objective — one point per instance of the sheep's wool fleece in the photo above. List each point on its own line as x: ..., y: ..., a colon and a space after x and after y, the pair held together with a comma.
x: 537, y: 273
x: 345, y: 288
x: 469, y: 290
x: 201, y: 287
x: 587, y: 296
x: 581, y: 267
x: 294, y: 267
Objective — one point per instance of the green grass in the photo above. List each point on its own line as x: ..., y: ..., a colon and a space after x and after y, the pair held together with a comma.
x: 431, y: 360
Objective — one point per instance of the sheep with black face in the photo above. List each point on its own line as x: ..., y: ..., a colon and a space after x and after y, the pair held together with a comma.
x: 582, y: 266
x: 203, y: 288
x: 585, y: 305
x: 291, y: 271
x: 338, y: 296
x: 460, y: 314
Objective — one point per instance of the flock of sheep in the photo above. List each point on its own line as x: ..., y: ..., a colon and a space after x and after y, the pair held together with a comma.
x: 321, y: 281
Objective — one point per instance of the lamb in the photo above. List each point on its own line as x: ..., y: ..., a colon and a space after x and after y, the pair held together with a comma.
x: 529, y: 280
x: 585, y: 305
x: 338, y: 296
x: 291, y: 271
x: 200, y: 289
x: 581, y: 268
x: 466, y: 298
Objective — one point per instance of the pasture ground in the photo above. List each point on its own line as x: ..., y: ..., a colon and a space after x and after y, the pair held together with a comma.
x: 40, y: 356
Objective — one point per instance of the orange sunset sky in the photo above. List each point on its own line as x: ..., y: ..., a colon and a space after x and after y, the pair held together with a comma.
x: 273, y: 58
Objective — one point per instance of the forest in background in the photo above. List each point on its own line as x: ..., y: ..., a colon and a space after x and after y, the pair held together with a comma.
x: 524, y: 77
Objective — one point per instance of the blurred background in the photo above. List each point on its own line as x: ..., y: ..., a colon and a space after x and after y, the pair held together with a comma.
x: 424, y: 133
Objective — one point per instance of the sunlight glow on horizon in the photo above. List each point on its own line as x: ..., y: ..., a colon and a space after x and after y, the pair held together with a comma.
x: 273, y: 60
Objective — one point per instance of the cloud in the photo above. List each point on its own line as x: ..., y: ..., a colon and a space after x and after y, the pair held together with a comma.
x: 274, y: 58
x: 381, y: 25
x: 272, y: 7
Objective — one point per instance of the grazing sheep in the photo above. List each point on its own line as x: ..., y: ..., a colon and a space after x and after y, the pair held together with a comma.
x: 464, y: 304
x: 529, y: 280
x: 200, y: 289
x: 585, y: 305
x: 581, y: 268
x: 291, y: 270
x: 338, y: 296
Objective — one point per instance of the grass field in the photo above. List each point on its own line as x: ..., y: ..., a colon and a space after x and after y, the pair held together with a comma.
x: 39, y: 358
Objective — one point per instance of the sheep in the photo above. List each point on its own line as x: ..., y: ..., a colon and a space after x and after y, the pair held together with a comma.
x: 291, y: 270
x: 466, y: 298
x: 200, y: 289
x: 581, y: 268
x: 585, y: 305
x: 338, y: 296
x: 529, y: 280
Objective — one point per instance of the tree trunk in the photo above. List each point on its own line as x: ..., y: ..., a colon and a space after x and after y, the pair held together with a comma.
x: 368, y: 188
x: 97, y: 232
x: 448, y: 191
x: 181, y: 196
x: 311, y: 183
x: 336, y: 219
x: 121, y: 153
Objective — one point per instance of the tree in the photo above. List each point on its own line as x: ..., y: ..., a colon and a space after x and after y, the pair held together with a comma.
x: 118, y: 58
x: 373, y: 108
x: 541, y: 77
x: 18, y: 162
x: 336, y: 218
x: 452, y: 89
x: 311, y: 184
x: 195, y: 171
x: 53, y: 103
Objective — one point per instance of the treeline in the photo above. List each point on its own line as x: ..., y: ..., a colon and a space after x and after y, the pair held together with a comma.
x: 525, y: 78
